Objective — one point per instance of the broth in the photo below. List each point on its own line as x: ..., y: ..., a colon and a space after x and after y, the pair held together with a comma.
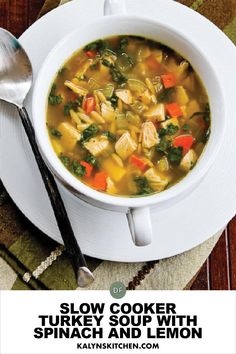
x: 128, y: 116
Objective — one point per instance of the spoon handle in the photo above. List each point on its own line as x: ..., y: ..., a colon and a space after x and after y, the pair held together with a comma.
x: 84, y: 276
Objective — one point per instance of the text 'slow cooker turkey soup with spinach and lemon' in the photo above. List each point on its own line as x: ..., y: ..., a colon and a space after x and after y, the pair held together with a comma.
x: 128, y: 116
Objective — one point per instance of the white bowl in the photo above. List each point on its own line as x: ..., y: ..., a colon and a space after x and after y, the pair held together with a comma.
x: 137, y: 208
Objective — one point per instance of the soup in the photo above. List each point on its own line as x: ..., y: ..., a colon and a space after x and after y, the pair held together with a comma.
x: 128, y: 116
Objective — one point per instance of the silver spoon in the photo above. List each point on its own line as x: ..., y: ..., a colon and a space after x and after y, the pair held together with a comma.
x: 15, y: 82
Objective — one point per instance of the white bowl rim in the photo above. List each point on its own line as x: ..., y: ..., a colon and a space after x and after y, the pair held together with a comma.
x: 187, y: 183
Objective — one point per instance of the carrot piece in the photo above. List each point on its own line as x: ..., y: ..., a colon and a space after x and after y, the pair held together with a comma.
x: 91, y: 54
x: 137, y: 161
x: 152, y: 63
x: 174, y: 110
x: 89, y: 104
x: 184, y: 141
x: 88, y: 167
x: 169, y: 80
x: 100, y: 181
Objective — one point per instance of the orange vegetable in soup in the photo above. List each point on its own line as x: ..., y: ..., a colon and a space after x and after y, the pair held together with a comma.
x: 140, y: 163
x: 88, y: 167
x: 89, y: 105
x: 169, y: 80
x: 184, y: 141
x: 174, y: 110
x: 123, y: 118
x: 100, y: 181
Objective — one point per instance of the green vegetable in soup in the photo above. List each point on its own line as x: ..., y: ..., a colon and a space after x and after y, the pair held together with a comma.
x: 206, y: 114
x: 91, y: 160
x: 166, y: 95
x: 163, y: 145
x: 108, y: 91
x: 65, y: 160
x: 124, y: 62
x: 89, y: 132
x: 170, y: 130
x: 77, y: 169
x: 110, y: 136
x: 55, y: 133
x: 99, y: 45
x: 137, y: 86
x: 73, y: 105
x: 175, y: 155
x: 74, y: 166
x: 143, y: 186
x: 123, y: 44
x: 186, y: 127
x: 116, y: 74
x: 53, y: 98
x: 114, y: 101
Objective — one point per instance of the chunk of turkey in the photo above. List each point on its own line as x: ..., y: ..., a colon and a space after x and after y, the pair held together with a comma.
x: 70, y: 135
x: 125, y: 96
x: 188, y: 161
x: 111, y: 188
x: 125, y: 146
x: 149, y: 136
x: 157, y: 182
x: 96, y: 146
x: 108, y: 112
x: 157, y: 112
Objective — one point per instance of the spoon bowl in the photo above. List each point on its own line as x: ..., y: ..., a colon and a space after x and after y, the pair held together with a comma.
x: 16, y: 74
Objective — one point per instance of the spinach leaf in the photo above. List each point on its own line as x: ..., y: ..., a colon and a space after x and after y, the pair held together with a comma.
x: 94, y: 66
x: 74, y: 166
x: 99, y: 45
x: 165, y: 96
x: 175, y: 155
x: 114, y: 101
x: 123, y: 44
x: 124, y: 59
x: 185, y: 127
x: 65, y: 160
x: 171, y: 129
x: 53, y: 98
x: 196, y: 114
x: 91, y: 160
x: 88, y: 133
x: 73, y: 105
x: 110, y: 136
x: 54, y: 132
x: 116, y: 74
x: 77, y: 169
x: 206, y: 114
x: 163, y: 145
x: 143, y: 185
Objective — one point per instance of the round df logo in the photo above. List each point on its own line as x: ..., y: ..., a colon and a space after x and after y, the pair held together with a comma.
x: 117, y: 290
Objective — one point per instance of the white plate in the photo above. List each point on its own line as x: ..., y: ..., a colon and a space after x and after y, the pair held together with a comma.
x: 105, y: 234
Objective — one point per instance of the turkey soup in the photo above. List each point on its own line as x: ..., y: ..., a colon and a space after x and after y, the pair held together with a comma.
x: 128, y: 116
